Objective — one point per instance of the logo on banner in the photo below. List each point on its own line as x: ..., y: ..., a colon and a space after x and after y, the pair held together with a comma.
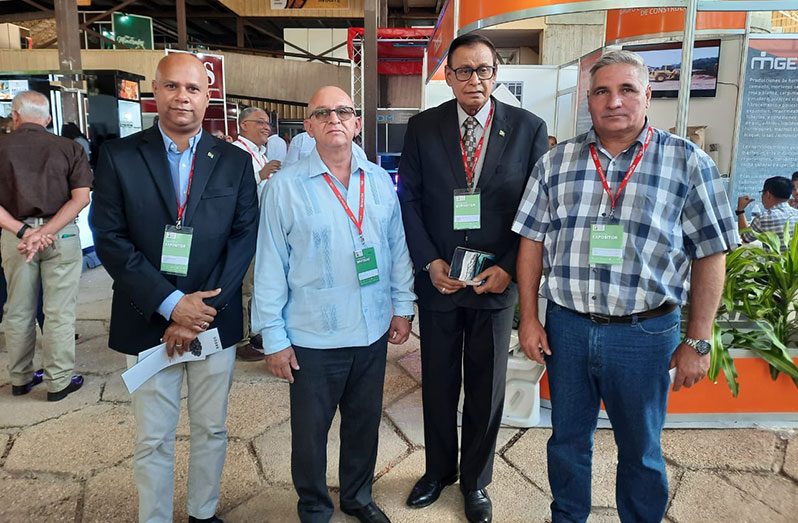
x: 769, y: 62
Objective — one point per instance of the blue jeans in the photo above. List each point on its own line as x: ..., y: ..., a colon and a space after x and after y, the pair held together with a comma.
x: 626, y: 366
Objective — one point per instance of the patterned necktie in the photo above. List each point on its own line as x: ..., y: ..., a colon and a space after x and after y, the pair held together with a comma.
x: 470, y: 139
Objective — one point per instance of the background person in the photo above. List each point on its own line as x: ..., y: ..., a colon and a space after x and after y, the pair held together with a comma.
x: 775, y: 196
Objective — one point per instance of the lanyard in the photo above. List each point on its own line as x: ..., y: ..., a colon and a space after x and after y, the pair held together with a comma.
x: 359, y: 221
x: 469, y: 169
x: 635, y: 163
x: 182, y: 208
x: 259, y: 160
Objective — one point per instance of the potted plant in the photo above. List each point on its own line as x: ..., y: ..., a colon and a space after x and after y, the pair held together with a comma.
x: 758, y: 307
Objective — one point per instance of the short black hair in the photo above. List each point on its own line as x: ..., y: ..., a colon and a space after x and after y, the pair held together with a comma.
x: 469, y: 40
x: 779, y: 186
x: 795, y: 176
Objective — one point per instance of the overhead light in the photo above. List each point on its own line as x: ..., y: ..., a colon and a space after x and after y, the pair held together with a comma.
x: 124, y: 18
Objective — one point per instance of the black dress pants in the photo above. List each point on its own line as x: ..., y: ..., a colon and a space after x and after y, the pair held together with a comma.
x: 350, y: 379
x: 467, y: 346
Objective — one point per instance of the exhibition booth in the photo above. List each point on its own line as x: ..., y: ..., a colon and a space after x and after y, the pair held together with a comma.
x: 738, y: 101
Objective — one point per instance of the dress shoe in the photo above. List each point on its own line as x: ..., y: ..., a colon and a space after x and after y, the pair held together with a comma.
x: 19, y: 390
x: 257, y: 342
x: 478, y: 507
x: 75, y: 384
x: 212, y: 519
x: 370, y: 513
x: 426, y: 491
x: 248, y: 353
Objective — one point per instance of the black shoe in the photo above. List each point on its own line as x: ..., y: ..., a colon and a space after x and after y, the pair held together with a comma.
x: 212, y: 519
x: 75, y: 384
x: 478, y: 508
x: 426, y: 491
x: 370, y: 513
x: 19, y: 390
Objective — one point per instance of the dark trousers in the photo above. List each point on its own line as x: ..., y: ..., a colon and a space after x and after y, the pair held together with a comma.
x: 467, y: 346
x: 350, y: 379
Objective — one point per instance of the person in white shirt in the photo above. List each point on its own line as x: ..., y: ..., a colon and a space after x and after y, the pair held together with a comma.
x: 276, y: 148
x: 303, y: 144
x: 254, y: 129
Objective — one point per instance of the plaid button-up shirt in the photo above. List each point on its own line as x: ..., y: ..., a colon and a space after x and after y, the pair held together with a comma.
x: 673, y: 210
x: 773, y: 220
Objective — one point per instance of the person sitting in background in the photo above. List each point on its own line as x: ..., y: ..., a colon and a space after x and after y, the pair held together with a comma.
x: 775, y: 194
x: 794, y: 199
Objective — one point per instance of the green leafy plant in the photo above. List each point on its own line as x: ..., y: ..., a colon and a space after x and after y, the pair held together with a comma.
x: 758, y: 307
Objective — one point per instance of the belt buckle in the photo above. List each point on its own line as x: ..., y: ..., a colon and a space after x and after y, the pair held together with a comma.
x: 600, y: 319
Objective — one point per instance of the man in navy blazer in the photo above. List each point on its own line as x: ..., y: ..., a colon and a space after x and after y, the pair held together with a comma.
x: 175, y: 176
x: 476, y: 150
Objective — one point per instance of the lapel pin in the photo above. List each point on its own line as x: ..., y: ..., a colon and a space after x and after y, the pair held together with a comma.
x: 501, y: 132
x: 210, y: 154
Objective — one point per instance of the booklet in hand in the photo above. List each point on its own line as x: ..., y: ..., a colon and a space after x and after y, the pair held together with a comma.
x: 467, y: 263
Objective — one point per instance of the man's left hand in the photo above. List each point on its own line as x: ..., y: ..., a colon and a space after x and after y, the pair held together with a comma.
x: 33, y: 241
x: 494, y: 279
x: 399, y: 330
x: 177, y: 339
x: 691, y: 367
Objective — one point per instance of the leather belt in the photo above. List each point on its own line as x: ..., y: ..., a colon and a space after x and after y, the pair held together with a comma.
x: 604, y: 319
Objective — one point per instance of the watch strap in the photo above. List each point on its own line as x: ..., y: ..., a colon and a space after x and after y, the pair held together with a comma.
x: 21, y: 231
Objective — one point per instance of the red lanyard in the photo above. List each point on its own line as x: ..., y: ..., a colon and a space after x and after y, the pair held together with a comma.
x: 182, y: 208
x: 469, y: 169
x: 359, y: 221
x: 635, y: 163
x: 260, y: 162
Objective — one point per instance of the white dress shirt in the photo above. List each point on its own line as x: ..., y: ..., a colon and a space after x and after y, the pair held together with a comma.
x: 259, y: 159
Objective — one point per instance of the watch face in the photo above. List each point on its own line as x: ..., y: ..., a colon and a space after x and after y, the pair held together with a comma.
x: 703, y: 347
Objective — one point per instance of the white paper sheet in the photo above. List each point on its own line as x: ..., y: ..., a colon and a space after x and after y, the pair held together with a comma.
x: 155, y: 359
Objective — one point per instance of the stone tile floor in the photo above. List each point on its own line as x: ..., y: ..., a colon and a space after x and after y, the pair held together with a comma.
x: 71, y: 461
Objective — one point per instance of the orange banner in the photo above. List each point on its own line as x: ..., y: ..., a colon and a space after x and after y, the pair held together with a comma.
x: 472, y: 11
x: 442, y: 36
x: 626, y: 24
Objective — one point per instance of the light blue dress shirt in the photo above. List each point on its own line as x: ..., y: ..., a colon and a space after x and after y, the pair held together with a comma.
x: 306, y: 287
x: 179, y: 170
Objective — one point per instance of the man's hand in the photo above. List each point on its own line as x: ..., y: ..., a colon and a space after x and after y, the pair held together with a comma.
x: 33, y: 241
x: 269, y: 169
x: 439, y: 274
x: 281, y: 363
x: 399, y: 330
x: 192, y: 313
x: 743, y: 201
x: 494, y: 279
x: 691, y: 367
x: 533, y: 340
x: 177, y: 339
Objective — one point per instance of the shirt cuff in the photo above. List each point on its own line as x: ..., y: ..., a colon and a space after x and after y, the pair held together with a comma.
x: 274, y: 341
x: 168, y: 305
x: 404, y: 308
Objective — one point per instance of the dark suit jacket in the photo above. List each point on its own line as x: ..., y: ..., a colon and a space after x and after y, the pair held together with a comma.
x: 134, y: 200
x: 431, y: 169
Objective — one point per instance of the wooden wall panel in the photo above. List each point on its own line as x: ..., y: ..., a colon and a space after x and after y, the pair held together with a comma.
x: 263, y: 8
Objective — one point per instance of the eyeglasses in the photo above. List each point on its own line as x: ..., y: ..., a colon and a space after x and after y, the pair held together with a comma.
x: 259, y: 123
x: 484, y: 72
x: 323, y: 114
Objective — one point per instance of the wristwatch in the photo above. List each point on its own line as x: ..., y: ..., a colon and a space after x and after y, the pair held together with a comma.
x: 409, y: 317
x: 21, y: 231
x: 702, y: 347
x: 738, y: 212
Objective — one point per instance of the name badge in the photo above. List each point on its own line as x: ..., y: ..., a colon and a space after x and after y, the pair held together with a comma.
x: 606, y: 244
x: 176, y: 250
x: 466, y: 210
x: 366, y: 266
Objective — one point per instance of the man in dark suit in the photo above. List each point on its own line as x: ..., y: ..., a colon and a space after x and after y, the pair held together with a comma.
x: 176, y: 179
x: 478, y: 151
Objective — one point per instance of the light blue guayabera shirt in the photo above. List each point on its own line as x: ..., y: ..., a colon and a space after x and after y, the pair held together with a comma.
x: 306, y: 287
x: 179, y: 169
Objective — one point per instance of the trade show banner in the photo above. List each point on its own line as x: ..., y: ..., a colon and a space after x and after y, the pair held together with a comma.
x: 132, y: 31
x: 766, y: 145
x: 442, y: 36
x: 631, y: 24
x: 310, y: 4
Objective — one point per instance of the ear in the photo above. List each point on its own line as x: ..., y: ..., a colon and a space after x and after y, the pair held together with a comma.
x: 358, y: 125
x: 648, y: 95
x: 306, y: 125
x: 449, y: 75
x: 154, y: 86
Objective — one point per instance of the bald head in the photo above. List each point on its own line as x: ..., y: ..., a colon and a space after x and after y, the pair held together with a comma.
x: 181, y: 94
x: 30, y: 107
x: 329, y: 96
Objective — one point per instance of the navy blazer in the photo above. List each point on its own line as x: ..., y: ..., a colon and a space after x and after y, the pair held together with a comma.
x: 431, y: 169
x: 134, y: 200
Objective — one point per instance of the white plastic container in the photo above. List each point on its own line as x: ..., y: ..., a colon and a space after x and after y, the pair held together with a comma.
x: 522, y: 391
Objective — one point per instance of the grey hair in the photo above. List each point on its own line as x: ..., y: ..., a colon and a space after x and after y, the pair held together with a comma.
x: 621, y: 57
x: 31, y: 105
x: 247, y: 111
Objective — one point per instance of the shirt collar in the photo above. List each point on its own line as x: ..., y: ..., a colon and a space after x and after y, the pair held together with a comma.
x: 251, y: 144
x: 783, y: 206
x: 592, y: 137
x: 29, y: 126
x: 481, y: 116
x: 170, y: 145
x: 316, y: 166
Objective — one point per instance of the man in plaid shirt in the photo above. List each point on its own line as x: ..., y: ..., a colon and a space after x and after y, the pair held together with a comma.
x: 623, y: 220
x: 775, y: 198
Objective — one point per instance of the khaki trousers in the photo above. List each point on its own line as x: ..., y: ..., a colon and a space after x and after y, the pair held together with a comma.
x: 246, y: 293
x: 59, y: 268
